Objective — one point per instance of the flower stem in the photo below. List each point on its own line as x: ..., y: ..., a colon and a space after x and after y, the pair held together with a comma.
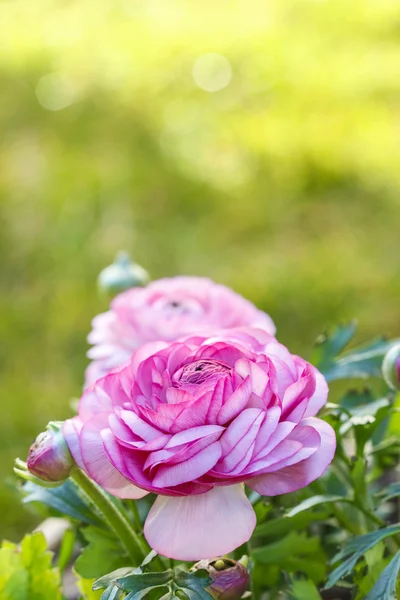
x: 134, y: 545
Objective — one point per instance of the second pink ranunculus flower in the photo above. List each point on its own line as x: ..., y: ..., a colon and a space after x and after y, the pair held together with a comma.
x: 166, y: 310
x: 192, y: 421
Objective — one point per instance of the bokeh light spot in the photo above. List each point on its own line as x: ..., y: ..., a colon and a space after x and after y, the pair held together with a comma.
x: 55, y: 91
x: 212, y: 72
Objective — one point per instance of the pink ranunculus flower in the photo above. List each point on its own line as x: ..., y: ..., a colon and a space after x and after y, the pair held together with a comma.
x: 166, y: 310
x: 193, y: 420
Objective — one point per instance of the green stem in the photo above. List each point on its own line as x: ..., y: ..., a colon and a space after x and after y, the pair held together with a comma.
x: 135, y: 546
x: 136, y: 516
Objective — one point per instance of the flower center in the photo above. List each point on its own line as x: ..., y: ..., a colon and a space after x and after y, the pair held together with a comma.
x: 199, y: 371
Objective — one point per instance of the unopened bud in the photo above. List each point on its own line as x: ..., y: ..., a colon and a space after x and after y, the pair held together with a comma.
x: 230, y: 578
x: 391, y: 367
x: 122, y: 275
x: 49, y: 457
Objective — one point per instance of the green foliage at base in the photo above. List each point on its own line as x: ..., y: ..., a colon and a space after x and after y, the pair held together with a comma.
x: 26, y: 571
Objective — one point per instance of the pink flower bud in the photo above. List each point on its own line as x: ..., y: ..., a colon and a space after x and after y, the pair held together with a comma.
x: 49, y: 457
x: 391, y: 367
x: 230, y: 578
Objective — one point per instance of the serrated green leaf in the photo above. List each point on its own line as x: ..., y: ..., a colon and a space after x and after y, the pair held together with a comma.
x: 142, y: 593
x: 303, y: 589
x: 104, y: 551
x: 194, y: 584
x: 26, y: 572
x: 385, y: 587
x: 315, y: 501
x: 356, y: 547
x: 138, y: 582
x: 104, y: 581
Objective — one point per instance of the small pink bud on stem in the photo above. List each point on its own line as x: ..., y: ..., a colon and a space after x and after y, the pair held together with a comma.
x: 230, y: 578
x: 49, y: 458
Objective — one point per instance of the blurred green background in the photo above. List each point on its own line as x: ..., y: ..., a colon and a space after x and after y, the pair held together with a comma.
x: 253, y: 141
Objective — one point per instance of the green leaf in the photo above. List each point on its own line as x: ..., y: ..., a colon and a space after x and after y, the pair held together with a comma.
x: 331, y: 344
x: 365, y: 414
x: 303, y: 589
x: 392, y: 491
x: 149, y: 558
x: 292, y: 544
x: 85, y: 587
x: 362, y: 362
x: 104, y: 551
x: 65, y: 499
x: 356, y: 547
x: 315, y: 501
x: 142, y: 593
x: 385, y: 587
x: 193, y: 584
x: 110, y: 578
x: 138, y: 582
x: 296, y: 552
x: 281, y: 525
x: 26, y: 572
x: 66, y: 549
x: 113, y: 592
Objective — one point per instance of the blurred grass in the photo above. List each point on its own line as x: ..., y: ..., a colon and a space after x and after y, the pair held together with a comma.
x: 284, y: 184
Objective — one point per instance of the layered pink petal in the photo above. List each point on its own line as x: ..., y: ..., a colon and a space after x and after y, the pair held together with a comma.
x: 202, y: 526
x: 235, y: 403
x: 99, y: 467
x: 299, y: 475
x: 189, y: 469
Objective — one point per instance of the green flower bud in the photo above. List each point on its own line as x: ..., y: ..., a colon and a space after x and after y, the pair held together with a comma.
x: 230, y: 578
x: 122, y: 275
x: 49, y: 458
x: 391, y: 367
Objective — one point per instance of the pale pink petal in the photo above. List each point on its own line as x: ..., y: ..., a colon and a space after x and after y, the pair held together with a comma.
x: 192, y: 434
x: 295, y: 393
x: 238, y: 438
x: 179, y: 454
x: 71, y: 431
x: 94, y: 400
x: 267, y: 428
x: 259, y: 378
x: 280, y: 433
x: 203, y: 526
x: 139, y: 427
x: 299, y: 475
x: 99, y: 467
x: 236, y: 403
x: 193, y: 414
x: 301, y: 443
x: 320, y: 396
x: 188, y: 470
x: 128, y: 464
x: 144, y: 352
x: 216, y: 400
